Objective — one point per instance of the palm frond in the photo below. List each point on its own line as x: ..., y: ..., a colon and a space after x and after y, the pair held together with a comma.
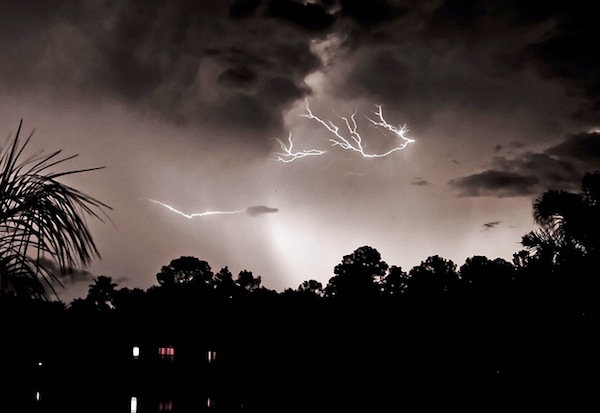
x: 41, y: 217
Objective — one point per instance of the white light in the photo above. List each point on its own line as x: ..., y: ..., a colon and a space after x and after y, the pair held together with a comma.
x: 133, y: 404
x: 136, y: 352
x: 354, y: 141
x: 196, y: 214
x: 288, y: 156
x: 38, y: 396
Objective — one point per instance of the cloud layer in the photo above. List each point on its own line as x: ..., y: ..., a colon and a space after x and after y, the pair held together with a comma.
x: 560, y: 166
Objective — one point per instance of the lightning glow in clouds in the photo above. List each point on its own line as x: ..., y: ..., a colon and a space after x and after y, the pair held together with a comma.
x: 353, y: 141
x: 252, y: 211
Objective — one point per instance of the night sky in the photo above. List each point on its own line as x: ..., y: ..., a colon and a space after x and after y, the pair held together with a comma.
x: 185, y: 104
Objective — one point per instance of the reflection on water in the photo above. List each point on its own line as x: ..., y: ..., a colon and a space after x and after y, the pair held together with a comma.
x: 158, y: 378
x: 166, y: 405
x: 163, y: 405
x: 137, y: 404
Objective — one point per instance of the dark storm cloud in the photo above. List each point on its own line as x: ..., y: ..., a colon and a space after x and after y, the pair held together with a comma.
x: 308, y: 16
x: 241, y: 63
x: 191, y: 62
x: 370, y: 13
x: 411, y: 63
x: 384, y: 75
x: 243, y: 8
x: 495, y: 183
x: 490, y: 225
x: 570, y: 52
x: 566, y: 52
x: 320, y: 14
x: 558, y: 167
x: 259, y: 210
x: 71, y: 276
x: 583, y: 148
x: 511, y: 148
x: 420, y: 182
x: 436, y: 56
x: 234, y: 64
x: 239, y: 77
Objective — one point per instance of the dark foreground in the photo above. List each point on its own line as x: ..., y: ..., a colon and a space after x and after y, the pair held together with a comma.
x: 375, y: 360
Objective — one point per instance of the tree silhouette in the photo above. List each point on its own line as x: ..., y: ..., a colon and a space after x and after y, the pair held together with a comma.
x: 564, y: 254
x: 102, y: 293
x: 413, y: 330
x: 185, y: 270
x: 312, y: 286
x: 41, y: 218
x: 395, y: 282
x: 490, y: 277
x: 248, y: 282
x: 433, y: 277
x: 570, y: 223
x: 358, y: 275
x: 224, y: 284
x: 127, y: 300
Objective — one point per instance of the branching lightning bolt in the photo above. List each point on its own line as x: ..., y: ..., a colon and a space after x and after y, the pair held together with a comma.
x: 355, y: 142
x: 288, y: 156
x: 196, y: 214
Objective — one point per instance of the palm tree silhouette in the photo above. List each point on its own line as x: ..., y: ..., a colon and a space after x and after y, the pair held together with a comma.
x: 570, y: 222
x: 102, y: 292
x: 41, y: 220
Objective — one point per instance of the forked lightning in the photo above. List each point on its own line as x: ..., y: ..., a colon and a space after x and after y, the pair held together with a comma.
x: 289, y: 156
x: 353, y: 140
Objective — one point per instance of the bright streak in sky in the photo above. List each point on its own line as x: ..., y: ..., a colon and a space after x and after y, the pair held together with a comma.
x: 289, y: 156
x: 196, y: 214
x: 354, y: 141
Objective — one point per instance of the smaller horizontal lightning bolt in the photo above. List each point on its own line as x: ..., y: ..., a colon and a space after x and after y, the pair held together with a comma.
x: 288, y: 156
x: 196, y: 214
